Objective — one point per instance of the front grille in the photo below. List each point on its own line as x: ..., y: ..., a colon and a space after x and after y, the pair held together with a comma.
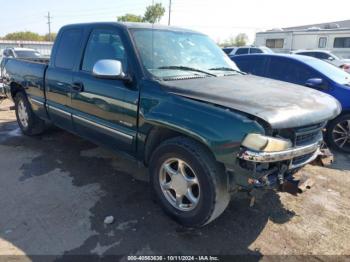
x: 303, y: 135
x: 304, y: 139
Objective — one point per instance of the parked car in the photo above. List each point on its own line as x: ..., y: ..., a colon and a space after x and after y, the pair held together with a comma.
x: 328, y: 57
x: 310, y: 72
x: 244, y: 50
x: 171, y: 99
x: 19, y: 53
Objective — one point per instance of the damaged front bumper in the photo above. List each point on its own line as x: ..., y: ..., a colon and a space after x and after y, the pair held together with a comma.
x: 290, y: 154
x: 274, y: 170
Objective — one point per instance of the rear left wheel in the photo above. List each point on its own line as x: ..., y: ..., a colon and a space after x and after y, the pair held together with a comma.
x: 29, y: 123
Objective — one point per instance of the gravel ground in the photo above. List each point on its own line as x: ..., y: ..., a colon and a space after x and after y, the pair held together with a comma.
x: 57, y: 189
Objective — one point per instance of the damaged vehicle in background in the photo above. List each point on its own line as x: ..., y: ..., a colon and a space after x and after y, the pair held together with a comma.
x: 312, y: 73
x: 172, y: 99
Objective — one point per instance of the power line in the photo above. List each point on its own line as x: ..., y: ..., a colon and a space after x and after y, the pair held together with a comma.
x: 49, y: 17
x: 169, y: 20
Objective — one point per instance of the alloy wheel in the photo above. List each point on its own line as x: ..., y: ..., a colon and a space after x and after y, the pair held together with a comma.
x: 23, y: 114
x: 341, y: 134
x: 179, y: 184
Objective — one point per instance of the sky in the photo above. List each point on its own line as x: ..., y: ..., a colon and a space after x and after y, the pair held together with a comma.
x: 220, y: 19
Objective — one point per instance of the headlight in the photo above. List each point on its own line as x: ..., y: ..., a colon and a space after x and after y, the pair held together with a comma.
x: 266, y: 143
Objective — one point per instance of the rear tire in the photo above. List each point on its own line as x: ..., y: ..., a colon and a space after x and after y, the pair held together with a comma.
x: 29, y: 123
x: 191, y: 186
x: 338, y: 133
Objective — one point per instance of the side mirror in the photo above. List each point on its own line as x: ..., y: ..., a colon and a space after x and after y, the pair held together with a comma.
x: 108, y: 69
x: 315, y: 83
x: 330, y: 58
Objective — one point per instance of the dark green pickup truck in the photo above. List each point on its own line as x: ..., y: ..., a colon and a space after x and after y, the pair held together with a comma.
x: 171, y: 99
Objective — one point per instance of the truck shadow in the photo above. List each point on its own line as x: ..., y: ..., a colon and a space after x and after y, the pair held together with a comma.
x: 140, y: 226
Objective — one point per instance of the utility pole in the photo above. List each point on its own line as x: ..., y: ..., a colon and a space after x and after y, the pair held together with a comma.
x: 169, y: 20
x: 49, y: 17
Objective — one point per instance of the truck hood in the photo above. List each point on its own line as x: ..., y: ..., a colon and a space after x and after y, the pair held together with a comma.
x: 280, y: 104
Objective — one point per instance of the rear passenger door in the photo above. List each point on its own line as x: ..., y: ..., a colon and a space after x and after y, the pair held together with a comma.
x: 59, y: 76
x: 100, y: 105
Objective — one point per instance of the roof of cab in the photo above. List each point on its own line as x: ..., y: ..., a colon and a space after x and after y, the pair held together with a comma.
x: 129, y: 25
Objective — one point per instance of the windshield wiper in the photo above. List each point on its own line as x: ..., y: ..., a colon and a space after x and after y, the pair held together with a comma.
x: 227, y: 69
x: 186, y: 68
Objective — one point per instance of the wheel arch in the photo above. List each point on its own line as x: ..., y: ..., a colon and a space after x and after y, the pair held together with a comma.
x: 160, y: 133
x: 15, y: 88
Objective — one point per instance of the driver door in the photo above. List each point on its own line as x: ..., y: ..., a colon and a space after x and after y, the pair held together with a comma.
x: 99, y: 105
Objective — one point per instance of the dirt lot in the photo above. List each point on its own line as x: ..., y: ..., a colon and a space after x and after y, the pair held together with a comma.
x: 56, y: 190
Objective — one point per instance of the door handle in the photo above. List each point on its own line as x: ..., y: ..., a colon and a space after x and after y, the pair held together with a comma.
x: 78, y: 86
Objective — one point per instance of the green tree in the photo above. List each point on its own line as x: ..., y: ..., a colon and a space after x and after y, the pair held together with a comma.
x: 27, y: 35
x: 228, y: 42
x: 241, y: 39
x: 48, y: 38
x: 130, y: 18
x: 154, y: 13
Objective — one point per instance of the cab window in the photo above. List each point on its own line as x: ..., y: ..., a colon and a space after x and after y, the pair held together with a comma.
x: 103, y: 44
x: 68, y: 48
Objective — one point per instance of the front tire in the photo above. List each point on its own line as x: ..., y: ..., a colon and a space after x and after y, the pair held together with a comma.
x: 338, y: 133
x: 191, y: 186
x: 29, y: 123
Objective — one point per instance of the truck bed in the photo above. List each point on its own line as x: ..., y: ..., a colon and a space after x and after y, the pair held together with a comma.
x: 28, y: 74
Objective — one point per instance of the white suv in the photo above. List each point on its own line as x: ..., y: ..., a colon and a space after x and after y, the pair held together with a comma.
x: 328, y: 57
x: 245, y: 50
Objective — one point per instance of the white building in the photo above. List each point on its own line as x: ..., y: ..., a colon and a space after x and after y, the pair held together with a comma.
x: 334, y: 37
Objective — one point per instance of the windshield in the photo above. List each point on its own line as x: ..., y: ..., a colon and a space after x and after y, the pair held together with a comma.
x: 331, y: 71
x: 167, y: 54
x: 27, y: 54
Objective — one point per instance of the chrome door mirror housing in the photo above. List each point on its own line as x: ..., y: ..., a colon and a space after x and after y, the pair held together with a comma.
x: 108, y: 69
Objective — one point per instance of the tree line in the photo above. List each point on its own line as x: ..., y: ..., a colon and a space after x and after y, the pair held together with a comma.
x: 28, y: 36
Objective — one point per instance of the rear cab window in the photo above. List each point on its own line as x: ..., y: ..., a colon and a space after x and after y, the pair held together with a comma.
x: 68, y: 48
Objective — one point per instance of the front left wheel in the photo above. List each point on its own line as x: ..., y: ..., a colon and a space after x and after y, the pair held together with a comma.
x: 190, y: 184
